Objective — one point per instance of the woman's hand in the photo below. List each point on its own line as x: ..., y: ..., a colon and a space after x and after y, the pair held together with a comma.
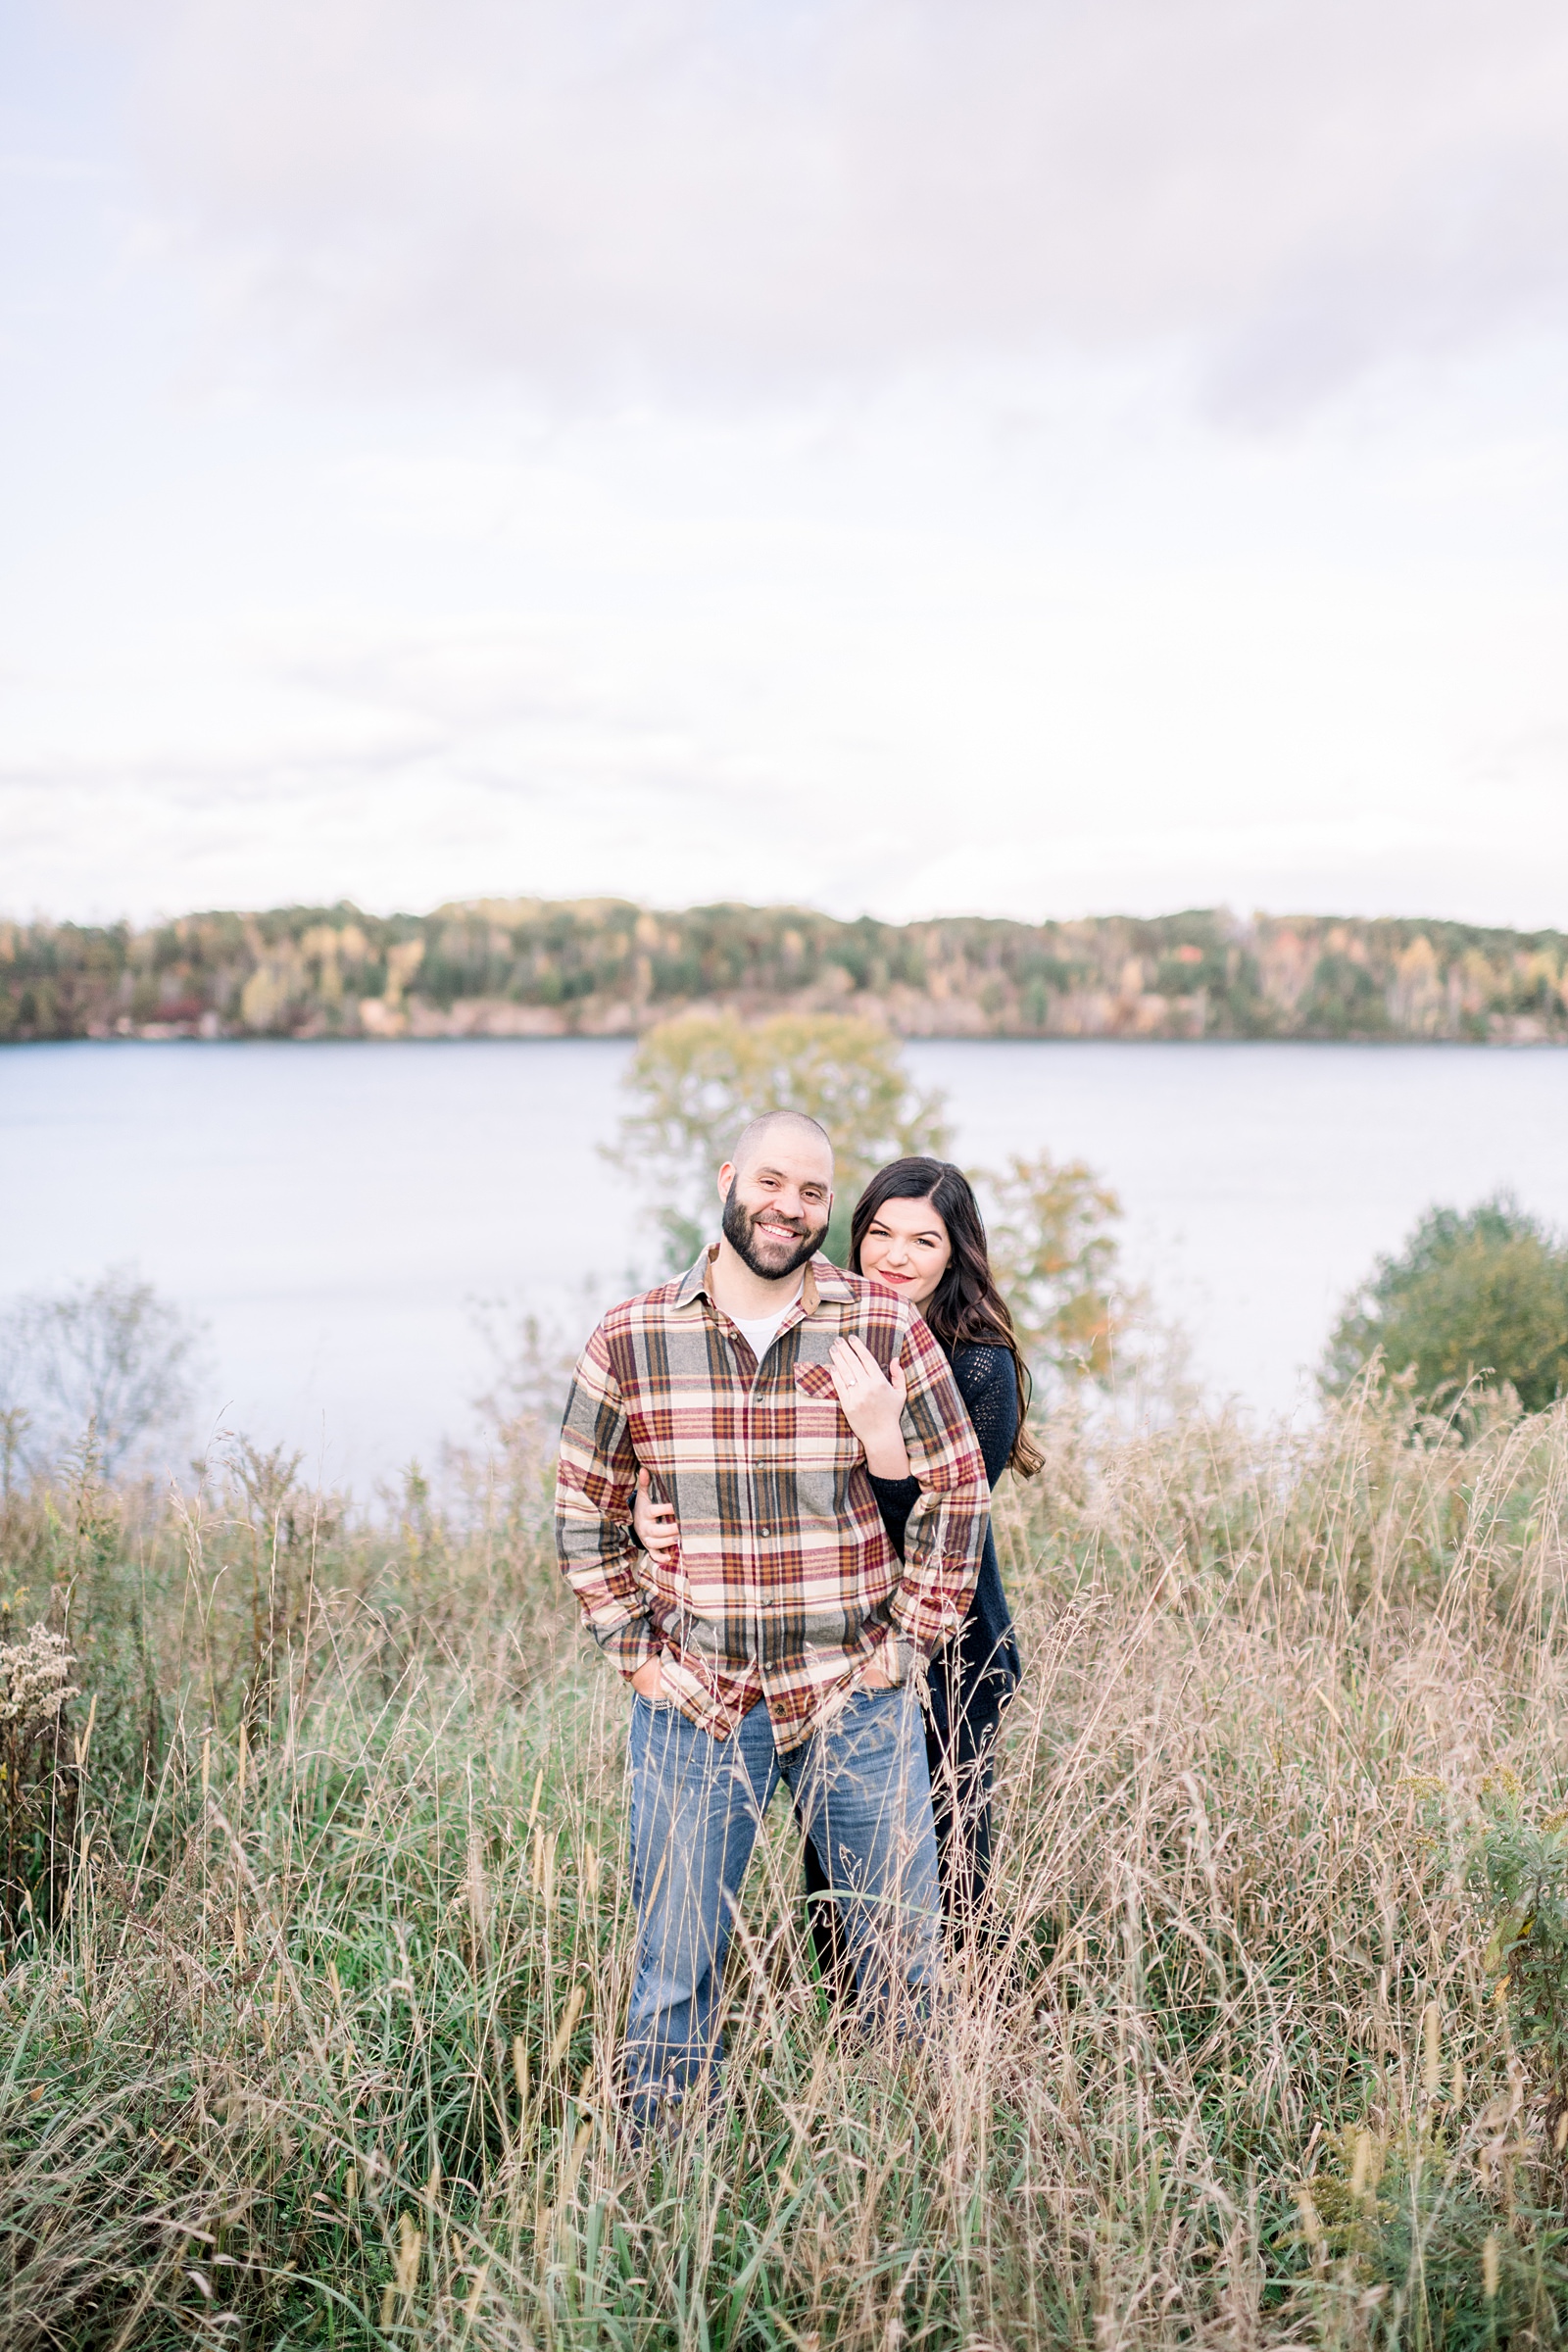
x: 873, y: 1404
x: 655, y: 1522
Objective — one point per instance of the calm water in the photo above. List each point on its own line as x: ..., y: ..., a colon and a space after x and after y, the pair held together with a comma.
x: 336, y: 1212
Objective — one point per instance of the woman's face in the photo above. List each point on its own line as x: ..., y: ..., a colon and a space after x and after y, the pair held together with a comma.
x: 906, y: 1246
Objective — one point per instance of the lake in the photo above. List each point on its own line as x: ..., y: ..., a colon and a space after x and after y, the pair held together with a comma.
x: 337, y: 1214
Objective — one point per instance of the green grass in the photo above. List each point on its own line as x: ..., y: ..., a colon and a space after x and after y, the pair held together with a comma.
x: 319, y: 2048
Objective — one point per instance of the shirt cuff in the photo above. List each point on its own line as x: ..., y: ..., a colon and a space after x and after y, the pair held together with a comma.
x: 630, y: 1645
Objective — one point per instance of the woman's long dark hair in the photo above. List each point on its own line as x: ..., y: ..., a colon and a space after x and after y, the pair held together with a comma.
x: 966, y: 1309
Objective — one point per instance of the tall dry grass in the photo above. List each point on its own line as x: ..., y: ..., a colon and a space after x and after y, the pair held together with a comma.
x: 315, y: 2043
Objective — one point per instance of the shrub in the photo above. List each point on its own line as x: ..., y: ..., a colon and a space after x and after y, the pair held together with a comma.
x: 1518, y: 1866
x: 1481, y: 1295
x: 37, y: 1789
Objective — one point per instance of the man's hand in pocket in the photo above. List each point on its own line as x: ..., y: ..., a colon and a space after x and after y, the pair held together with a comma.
x: 649, y: 1679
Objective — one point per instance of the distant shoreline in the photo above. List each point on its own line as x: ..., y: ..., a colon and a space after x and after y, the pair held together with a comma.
x: 630, y: 1037
x: 539, y: 969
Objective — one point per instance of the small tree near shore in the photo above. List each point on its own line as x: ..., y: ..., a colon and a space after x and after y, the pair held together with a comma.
x: 696, y: 1083
x: 112, y: 1355
x: 1476, y: 1295
x: 1048, y: 1226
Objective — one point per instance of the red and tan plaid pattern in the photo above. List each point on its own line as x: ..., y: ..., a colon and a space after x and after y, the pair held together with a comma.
x: 785, y: 1583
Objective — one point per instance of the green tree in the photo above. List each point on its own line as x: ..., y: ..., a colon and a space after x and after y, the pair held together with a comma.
x: 1054, y: 1255
x: 1478, y: 1296
x: 696, y: 1082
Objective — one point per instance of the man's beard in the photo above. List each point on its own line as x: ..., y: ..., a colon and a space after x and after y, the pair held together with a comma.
x: 740, y: 1231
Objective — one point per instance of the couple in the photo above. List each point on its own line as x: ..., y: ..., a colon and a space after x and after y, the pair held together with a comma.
x: 813, y: 1503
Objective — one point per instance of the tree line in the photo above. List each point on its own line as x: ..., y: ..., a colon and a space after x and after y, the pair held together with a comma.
x: 607, y: 967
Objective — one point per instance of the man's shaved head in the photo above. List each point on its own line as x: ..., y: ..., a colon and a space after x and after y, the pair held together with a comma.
x: 753, y: 1140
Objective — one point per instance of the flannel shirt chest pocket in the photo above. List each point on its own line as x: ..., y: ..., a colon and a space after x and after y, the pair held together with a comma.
x: 823, y: 1438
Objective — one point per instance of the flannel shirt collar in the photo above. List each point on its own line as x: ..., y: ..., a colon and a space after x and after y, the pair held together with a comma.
x: 821, y: 1279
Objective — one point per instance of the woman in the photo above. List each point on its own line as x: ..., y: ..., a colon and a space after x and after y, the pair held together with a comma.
x: 918, y: 1228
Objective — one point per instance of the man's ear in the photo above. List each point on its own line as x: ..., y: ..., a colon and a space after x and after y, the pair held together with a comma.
x: 726, y: 1177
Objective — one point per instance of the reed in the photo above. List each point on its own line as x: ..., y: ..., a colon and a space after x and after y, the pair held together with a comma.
x: 317, y: 2046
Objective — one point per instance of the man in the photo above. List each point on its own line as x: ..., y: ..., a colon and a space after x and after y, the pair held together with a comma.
x: 779, y: 1639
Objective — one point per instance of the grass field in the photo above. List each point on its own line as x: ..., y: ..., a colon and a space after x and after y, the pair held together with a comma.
x: 313, y: 1967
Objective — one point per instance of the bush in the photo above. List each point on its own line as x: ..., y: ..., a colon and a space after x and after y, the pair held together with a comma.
x: 37, y: 1789
x: 1482, y: 1296
x: 1518, y: 1867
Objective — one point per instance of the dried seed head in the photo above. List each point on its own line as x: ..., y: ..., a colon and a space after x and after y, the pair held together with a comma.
x: 1432, y: 2037
x: 1490, y: 2268
x: 411, y: 2245
x: 478, y: 1893
x: 568, y: 2020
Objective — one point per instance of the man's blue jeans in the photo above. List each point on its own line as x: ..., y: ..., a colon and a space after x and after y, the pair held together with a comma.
x: 696, y: 1803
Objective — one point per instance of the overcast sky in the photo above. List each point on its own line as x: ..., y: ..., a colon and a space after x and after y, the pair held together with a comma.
x: 1025, y: 456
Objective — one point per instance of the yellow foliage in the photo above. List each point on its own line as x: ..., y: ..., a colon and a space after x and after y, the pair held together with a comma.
x: 697, y: 1081
x: 1056, y: 1260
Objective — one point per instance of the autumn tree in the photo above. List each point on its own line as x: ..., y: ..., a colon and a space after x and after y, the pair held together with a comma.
x: 1056, y: 1257
x: 696, y: 1082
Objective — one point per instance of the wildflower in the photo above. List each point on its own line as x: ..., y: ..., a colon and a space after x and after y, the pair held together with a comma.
x: 33, y: 1680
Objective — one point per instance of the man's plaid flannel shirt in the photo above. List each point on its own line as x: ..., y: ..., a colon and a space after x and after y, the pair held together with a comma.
x: 785, y: 1584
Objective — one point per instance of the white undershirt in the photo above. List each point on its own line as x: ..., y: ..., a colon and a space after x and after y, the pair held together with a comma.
x: 762, y: 1330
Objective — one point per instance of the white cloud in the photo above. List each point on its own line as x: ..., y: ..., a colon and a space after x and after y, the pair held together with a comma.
x: 585, y: 192
x: 912, y: 577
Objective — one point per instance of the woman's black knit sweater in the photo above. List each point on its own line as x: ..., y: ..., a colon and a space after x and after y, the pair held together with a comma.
x: 988, y: 1645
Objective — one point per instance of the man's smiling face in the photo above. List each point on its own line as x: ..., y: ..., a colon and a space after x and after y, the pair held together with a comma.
x: 778, y: 1200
